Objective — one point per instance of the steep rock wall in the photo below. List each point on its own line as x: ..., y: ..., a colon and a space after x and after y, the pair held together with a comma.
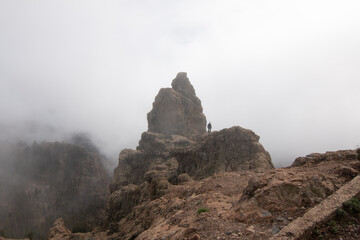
x: 177, y: 110
x: 50, y: 180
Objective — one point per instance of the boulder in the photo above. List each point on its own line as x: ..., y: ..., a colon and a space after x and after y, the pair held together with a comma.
x: 228, y: 150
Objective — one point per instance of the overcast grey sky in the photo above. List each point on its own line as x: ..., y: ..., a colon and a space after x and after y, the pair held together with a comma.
x: 288, y: 70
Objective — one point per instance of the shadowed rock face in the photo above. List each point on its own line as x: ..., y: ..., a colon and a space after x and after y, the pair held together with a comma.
x: 228, y: 150
x: 177, y: 110
x: 49, y: 180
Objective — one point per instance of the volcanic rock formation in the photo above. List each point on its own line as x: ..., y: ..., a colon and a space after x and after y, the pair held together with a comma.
x: 228, y: 150
x: 177, y: 110
x: 248, y: 204
x: 177, y: 150
x: 221, y: 185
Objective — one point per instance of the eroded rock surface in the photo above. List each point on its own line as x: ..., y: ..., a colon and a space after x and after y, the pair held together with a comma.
x: 219, y: 185
x: 302, y: 227
x: 318, y: 157
x: 228, y: 150
x: 247, y: 204
x: 173, y: 154
x: 177, y: 110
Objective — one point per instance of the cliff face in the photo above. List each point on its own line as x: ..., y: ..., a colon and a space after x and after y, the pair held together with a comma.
x: 177, y: 110
x: 228, y: 150
x: 50, y: 180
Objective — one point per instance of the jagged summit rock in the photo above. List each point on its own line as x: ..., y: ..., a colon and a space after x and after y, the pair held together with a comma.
x: 176, y: 150
x: 182, y: 85
x: 177, y: 110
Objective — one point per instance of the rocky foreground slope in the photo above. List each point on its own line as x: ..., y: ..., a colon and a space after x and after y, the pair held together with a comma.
x: 247, y: 204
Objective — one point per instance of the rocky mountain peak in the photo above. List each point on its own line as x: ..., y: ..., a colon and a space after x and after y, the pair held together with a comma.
x: 175, y: 151
x: 177, y: 110
x: 182, y: 85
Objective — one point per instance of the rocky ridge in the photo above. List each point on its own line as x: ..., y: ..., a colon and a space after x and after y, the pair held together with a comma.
x: 178, y: 171
x: 177, y: 150
x: 248, y: 204
x: 49, y: 180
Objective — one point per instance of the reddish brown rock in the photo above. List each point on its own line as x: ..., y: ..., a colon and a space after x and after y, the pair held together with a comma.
x: 245, y: 204
x: 315, y: 158
x: 174, y: 153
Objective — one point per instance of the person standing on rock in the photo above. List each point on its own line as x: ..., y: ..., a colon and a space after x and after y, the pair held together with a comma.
x: 209, y: 127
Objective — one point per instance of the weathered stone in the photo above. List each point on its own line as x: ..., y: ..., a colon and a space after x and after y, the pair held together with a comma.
x: 274, y: 197
x: 315, y: 158
x: 175, y: 151
x: 122, y: 201
x: 301, y: 227
x: 195, y: 237
x: 252, y: 186
x: 184, y: 178
x: 130, y: 170
x: 348, y: 172
x: 177, y: 110
x: 228, y: 150
x: 59, y: 231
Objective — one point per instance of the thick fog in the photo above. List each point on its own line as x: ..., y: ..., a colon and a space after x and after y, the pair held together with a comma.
x: 288, y: 70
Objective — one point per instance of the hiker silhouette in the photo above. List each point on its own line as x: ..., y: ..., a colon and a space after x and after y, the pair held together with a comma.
x: 209, y: 127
